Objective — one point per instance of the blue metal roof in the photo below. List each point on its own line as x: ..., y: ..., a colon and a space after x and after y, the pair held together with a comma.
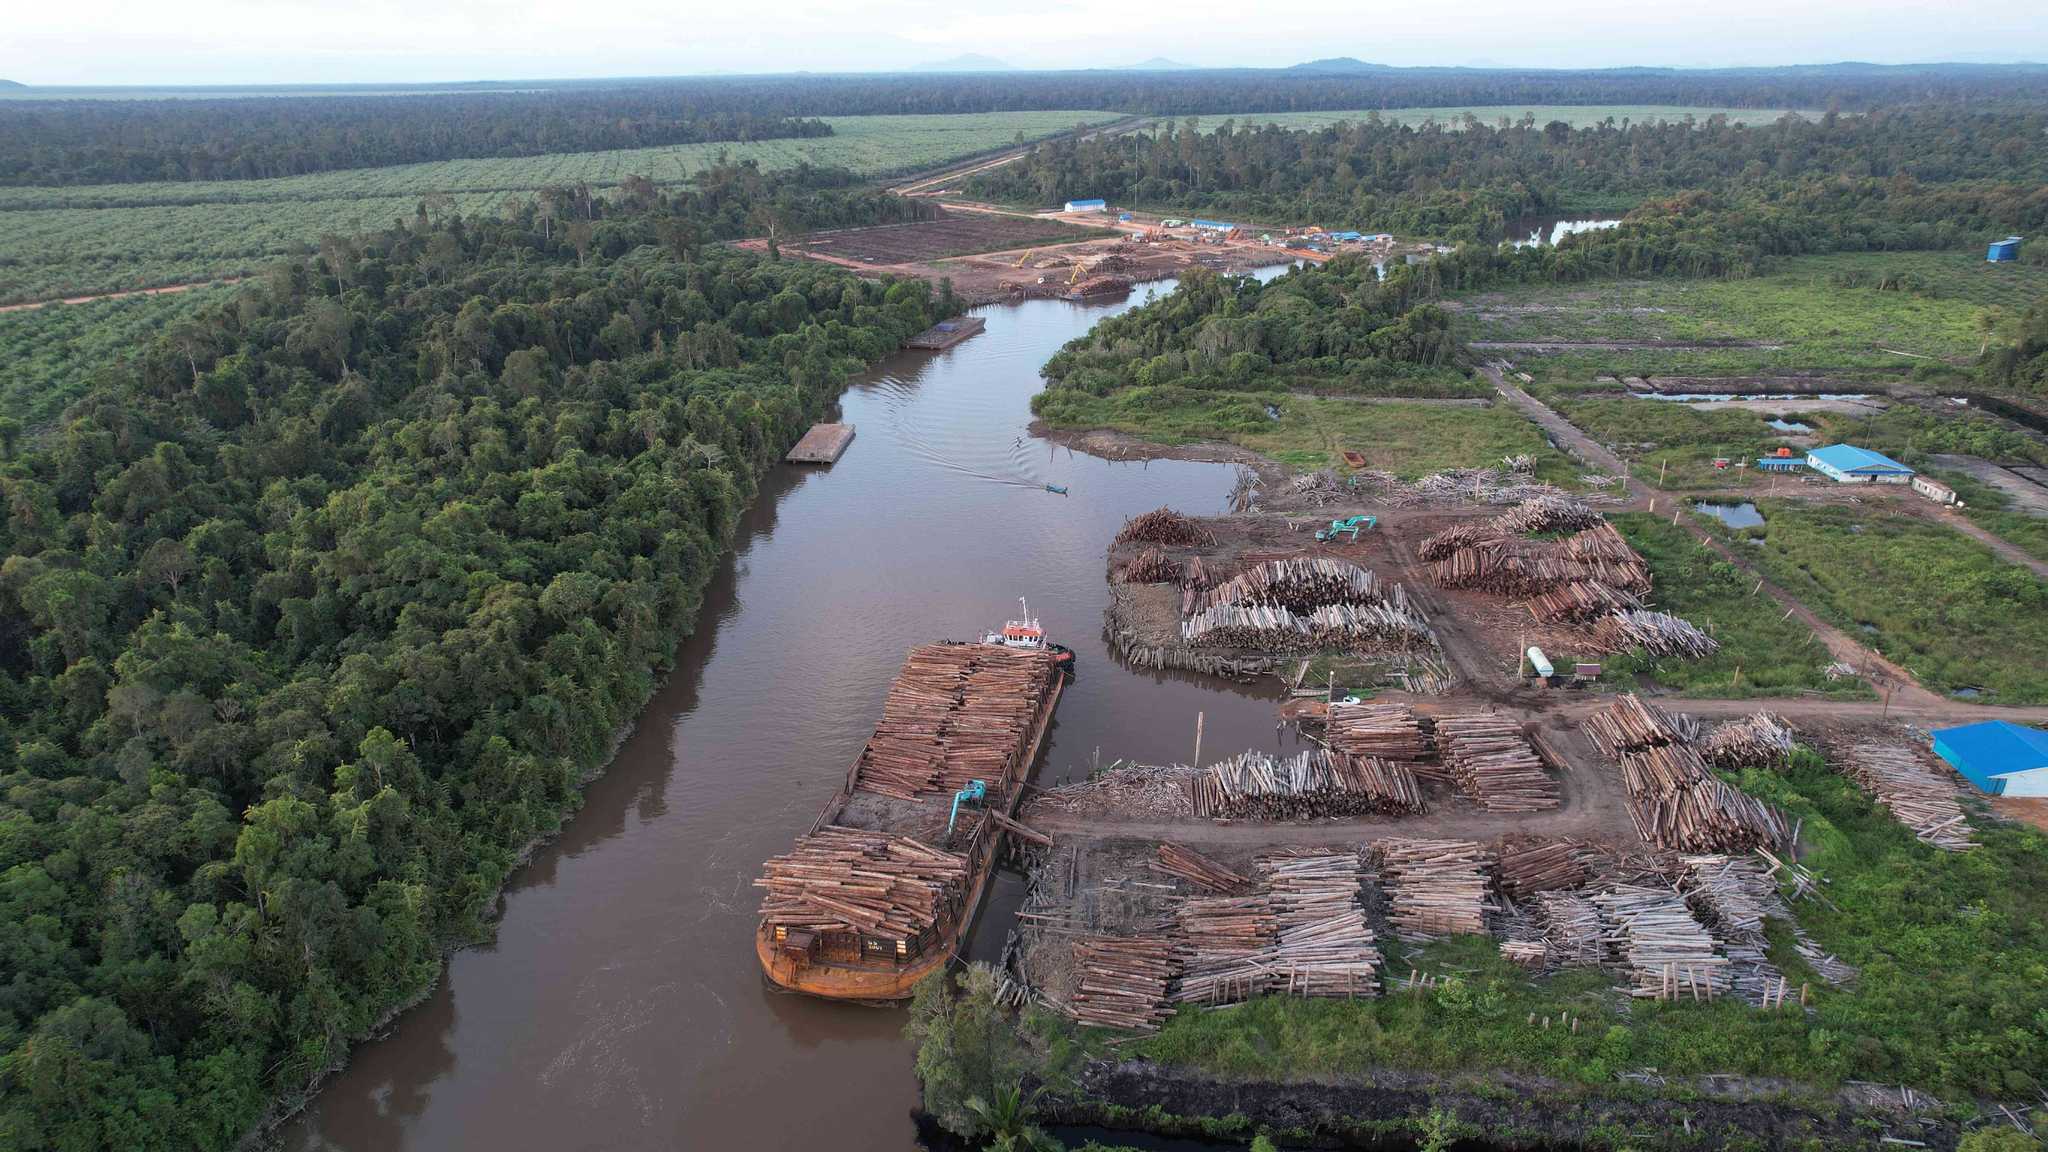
x: 1085, y: 203
x: 1985, y: 751
x: 1850, y: 458
x: 1217, y: 225
x: 1780, y: 463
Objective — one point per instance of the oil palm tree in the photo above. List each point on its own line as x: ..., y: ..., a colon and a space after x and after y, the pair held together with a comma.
x: 1008, y: 1121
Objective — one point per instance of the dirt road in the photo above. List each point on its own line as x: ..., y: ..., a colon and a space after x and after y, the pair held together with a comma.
x: 164, y: 290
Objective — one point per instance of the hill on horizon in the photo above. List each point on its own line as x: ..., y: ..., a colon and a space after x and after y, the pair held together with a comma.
x: 1340, y: 64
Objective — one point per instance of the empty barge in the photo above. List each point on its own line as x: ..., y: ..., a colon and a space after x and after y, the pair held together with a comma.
x: 823, y: 444
x: 946, y: 333
x: 885, y: 886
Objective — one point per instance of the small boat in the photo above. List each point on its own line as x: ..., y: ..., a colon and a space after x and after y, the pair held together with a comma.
x: 1026, y: 633
x: 1056, y: 489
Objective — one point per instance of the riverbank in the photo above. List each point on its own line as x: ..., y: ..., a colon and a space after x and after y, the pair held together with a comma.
x: 1388, y: 1109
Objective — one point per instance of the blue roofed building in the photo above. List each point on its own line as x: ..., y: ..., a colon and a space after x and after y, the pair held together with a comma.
x: 1086, y: 206
x: 1213, y: 225
x: 1999, y: 757
x: 2001, y: 251
x: 1852, y: 465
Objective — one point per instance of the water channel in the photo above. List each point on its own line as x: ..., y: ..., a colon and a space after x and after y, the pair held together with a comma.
x: 620, y: 1005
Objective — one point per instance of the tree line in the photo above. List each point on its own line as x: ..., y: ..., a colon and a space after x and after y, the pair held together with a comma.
x: 1471, y: 181
x: 58, y: 142
x: 128, y: 141
x: 316, y: 612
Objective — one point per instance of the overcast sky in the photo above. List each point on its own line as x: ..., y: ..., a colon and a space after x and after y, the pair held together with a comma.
x: 285, y: 41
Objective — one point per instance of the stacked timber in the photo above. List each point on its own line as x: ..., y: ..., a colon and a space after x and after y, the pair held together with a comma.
x: 1545, y: 514
x: 1580, y: 600
x: 1658, y: 633
x: 1709, y: 815
x: 1277, y: 629
x: 1310, y: 784
x: 1572, y: 933
x: 1758, y: 741
x: 1456, y: 538
x: 1674, y: 799
x: 1300, y: 584
x: 1630, y: 723
x: 1123, y: 982
x: 1494, y: 764
x: 848, y: 880
x: 1916, y: 796
x: 1602, y: 542
x: 1148, y: 567
x: 1322, y: 945
x: 1387, y: 731
x: 1670, y: 955
x: 1164, y: 526
x: 956, y: 713
x: 1224, y: 944
x: 1200, y: 871
x: 1514, y: 567
x: 1530, y: 866
x: 1436, y: 887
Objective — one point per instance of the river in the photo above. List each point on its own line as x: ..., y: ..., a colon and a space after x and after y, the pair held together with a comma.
x: 620, y: 1004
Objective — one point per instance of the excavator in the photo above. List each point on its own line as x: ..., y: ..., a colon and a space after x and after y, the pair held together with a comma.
x: 1352, y: 525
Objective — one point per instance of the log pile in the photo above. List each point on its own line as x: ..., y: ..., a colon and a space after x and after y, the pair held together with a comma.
x: 1659, y: 633
x: 1913, y: 793
x: 1494, y: 764
x: 1201, y: 872
x: 1387, y: 731
x: 1164, y: 526
x: 1123, y: 789
x: 1456, y: 538
x: 1123, y: 982
x: 1224, y: 941
x: 1629, y: 724
x: 1514, y: 567
x: 1299, y: 583
x: 1436, y: 887
x: 1580, y: 600
x: 1572, y: 933
x: 1674, y: 799
x: 1603, y: 542
x: 1322, y: 944
x: 1310, y: 784
x: 1545, y: 514
x: 1276, y: 629
x: 1669, y: 953
x: 1528, y: 867
x: 1149, y: 567
x: 956, y: 713
x: 871, y: 883
x: 1732, y: 896
x: 1709, y: 815
x: 1758, y: 741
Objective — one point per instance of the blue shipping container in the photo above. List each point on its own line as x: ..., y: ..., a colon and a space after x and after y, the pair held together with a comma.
x: 2003, y: 250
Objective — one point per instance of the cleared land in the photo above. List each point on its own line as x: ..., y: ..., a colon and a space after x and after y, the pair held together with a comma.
x: 1939, y: 604
x: 1851, y: 315
x: 1577, y: 115
x: 957, y: 234
x: 1407, y: 437
x: 110, y: 237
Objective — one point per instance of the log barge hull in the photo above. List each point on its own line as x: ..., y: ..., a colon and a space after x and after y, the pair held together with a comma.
x: 877, y: 975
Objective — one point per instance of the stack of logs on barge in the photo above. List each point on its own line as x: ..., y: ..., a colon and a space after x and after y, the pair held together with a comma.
x: 881, y: 891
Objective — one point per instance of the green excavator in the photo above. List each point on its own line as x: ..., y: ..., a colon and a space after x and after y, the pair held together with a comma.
x: 1350, y: 525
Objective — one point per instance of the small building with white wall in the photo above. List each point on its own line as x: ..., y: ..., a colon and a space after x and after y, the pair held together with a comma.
x: 2001, y: 758
x: 1934, y: 490
x: 1087, y: 206
x: 1849, y: 464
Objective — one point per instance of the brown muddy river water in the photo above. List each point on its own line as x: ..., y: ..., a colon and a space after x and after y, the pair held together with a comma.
x: 620, y: 1005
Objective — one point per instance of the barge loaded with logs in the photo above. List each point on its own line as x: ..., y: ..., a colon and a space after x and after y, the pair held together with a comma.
x: 884, y: 887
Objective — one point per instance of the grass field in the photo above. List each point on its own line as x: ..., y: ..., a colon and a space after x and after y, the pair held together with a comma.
x: 1949, y: 945
x: 1848, y: 314
x: 1408, y: 438
x: 1577, y: 115
x: 109, y: 237
x: 1762, y: 653
x: 53, y: 353
x: 1940, y: 604
x: 1673, y: 445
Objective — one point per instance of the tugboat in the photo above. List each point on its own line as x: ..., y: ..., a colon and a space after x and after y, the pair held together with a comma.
x: 1025, y: 632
